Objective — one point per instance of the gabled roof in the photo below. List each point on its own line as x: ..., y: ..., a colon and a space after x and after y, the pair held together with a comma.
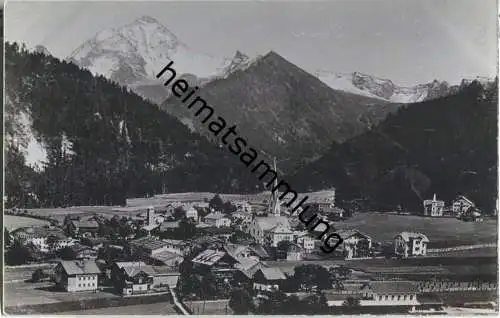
x: 259, y: 250
x: 86, y: 224
x: 208, y: 257
x: 345, y: 234
x: 215, y: 216
x: 166, y: 256
x: 461, y: 197
x: 269, y: 222
x: 169, y: 225
x: 235, y: 250
x: 272, y: 273
x: 391, y: 287
x: 80, y: 267
x: 133, y: 268
x: 148, y: 243
x: 412, y: 235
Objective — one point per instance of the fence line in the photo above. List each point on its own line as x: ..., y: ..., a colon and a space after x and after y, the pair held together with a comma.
x: 460, y: 248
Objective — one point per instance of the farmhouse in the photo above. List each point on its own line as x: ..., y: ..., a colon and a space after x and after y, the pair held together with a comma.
x: 433, y: 207
x: 461, y: 205
x: 217, y: 219
x: 131, y: 278
x: 268, y: 279
x: 410, y: 244
x: 355, y: 244
x: 77, y: 275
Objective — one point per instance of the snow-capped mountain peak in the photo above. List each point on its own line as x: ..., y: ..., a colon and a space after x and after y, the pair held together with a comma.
x: 137, y: 51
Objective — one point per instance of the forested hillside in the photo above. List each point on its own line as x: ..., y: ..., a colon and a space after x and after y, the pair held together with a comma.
x: 446, y: 146
x: 103, y: 143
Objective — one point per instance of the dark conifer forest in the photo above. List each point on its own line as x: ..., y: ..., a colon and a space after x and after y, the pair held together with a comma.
x: 446, y: 146
x: 121, y: 145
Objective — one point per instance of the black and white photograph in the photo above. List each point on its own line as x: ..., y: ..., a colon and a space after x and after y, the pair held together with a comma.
x: 250, y: 157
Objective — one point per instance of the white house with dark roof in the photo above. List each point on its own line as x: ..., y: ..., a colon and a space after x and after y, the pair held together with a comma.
x: 356, y: 244
x: 461, y: 205
x: 410, y: 244
x: 77, y: 275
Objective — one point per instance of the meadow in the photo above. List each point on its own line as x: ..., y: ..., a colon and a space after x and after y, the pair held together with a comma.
x: 12, y: 222
x: 440, y: 231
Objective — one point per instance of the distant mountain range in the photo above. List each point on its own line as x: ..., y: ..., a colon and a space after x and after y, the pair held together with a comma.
x: 385, y: 89
x: 368, y: 137
x: 284, y: 110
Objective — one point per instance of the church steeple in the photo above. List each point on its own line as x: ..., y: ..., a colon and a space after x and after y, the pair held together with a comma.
x: 274, y: 204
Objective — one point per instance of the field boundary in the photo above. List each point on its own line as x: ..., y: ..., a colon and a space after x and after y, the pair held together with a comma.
x: 86, y: 304
x: 461, y: 248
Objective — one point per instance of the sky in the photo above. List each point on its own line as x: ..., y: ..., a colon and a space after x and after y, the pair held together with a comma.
x: 407, y: 41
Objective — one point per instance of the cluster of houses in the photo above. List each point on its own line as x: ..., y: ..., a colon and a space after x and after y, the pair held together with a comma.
x: 151, y: 264
x: 461, y: 208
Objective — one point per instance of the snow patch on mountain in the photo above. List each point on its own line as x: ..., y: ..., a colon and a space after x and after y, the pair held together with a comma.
x: 24, y: 138
x: 375, y: 87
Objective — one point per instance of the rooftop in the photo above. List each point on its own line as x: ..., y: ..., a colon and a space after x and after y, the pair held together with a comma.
x: 80, y: 267
x: 412, y: 235
x: 391, y: 287
x: 272, y: 273
x: 148, y: 243
x: 208, y: 257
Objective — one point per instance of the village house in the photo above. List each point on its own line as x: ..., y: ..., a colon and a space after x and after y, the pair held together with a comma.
x: 461, y: 205
x: 222, y: 233
x: 45, y: 239
x: 270, y: 230
x: 389, y: 293
x: 294, y: 252
x: 268, y: 279
x: 306, y: 241
x: 77, y: 275
x: 219, y: 262
x: 83, y: 251
x: 217, y: 219
x: 355, y: 244
x: 323, y: 199
x: 177, y: 246
x: 192, y: 213
x: 131, y: 278
x: 433, y: 207
x: 83, y: 228
x: 168, y: 227
x: 408, y: 244
x: 243, y: 206
x: 157, y: 252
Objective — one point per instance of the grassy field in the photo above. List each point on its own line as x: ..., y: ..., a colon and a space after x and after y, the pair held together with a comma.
x: 383, y: 227
x: 12, y: 222
x: 165, y: 308
x: 41, y: 293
